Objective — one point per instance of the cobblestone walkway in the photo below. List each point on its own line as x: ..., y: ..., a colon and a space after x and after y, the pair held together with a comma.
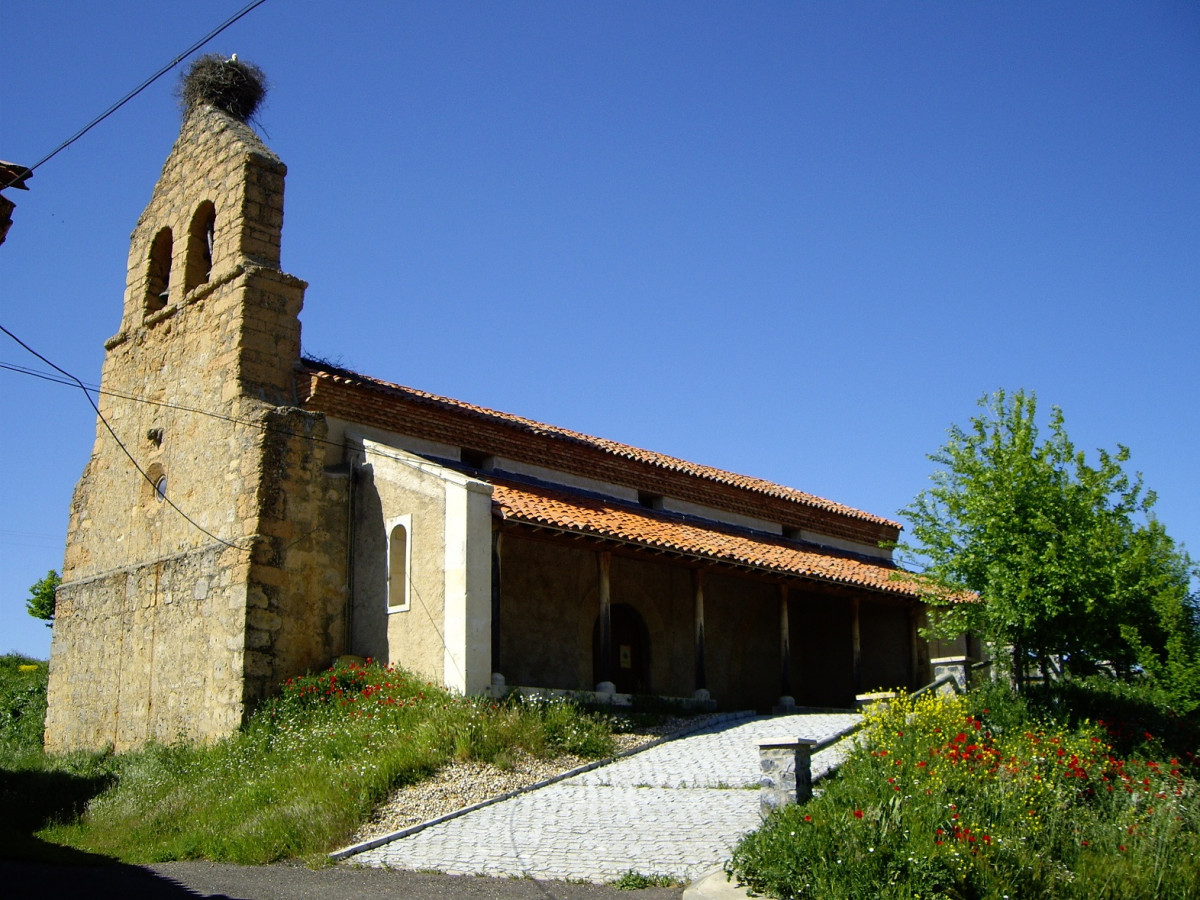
x: 674, y: 809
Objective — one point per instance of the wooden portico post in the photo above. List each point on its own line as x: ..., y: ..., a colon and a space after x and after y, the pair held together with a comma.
x: 786, y: 700
x: 497, y: 543
x: 605, y: 686
x: 701, y: 692
x: 914, y: 657
x: 856, y: 644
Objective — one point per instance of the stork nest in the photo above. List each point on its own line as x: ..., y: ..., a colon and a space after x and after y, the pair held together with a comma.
x: 230, y: 85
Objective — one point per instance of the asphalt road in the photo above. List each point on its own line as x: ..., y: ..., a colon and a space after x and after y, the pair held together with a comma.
x: 224, y: 881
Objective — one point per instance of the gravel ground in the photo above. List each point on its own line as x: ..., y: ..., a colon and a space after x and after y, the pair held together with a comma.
x: 467, y: 783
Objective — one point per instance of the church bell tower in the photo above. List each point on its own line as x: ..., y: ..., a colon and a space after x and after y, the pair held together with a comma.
x: 191, y: 583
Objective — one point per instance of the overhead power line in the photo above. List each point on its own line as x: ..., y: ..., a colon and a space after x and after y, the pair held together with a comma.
x: 121, y: 443
x: 248, y: 8
x: 73, y: 382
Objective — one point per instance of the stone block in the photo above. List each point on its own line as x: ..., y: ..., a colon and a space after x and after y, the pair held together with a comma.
x: 264, y: 620
x: 267, y: 575
x: 257, y: 663
x: 785, y: 764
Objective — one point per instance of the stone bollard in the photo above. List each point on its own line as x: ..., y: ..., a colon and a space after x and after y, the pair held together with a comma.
x: 497, y: 690
x: 958, y: 667
x: 786, y: 765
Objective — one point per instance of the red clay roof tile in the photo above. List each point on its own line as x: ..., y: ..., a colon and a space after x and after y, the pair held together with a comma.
x: 613, y: 519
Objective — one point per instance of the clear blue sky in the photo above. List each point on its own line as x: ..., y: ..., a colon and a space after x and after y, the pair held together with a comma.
x: 795, y: 240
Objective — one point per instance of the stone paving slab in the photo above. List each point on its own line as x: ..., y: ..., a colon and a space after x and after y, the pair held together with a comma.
x: 676, y: 809
x: 723, y: 755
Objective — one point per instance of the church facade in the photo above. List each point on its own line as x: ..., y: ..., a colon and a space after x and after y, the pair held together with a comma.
x: 248, y: 515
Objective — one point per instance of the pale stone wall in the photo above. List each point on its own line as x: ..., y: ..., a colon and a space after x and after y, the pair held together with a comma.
x: 339, y: 429
x: 444, y: 632
x: 568, y: 479
x: 873, y: 551
x: 467, y: 659
x: 152, y: 652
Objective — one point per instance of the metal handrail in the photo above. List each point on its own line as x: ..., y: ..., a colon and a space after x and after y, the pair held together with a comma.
x: 936, y: 683
x: 827, y: 742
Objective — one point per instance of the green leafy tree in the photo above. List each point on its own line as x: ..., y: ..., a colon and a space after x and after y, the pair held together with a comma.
x: 1069, y: 564
x: 40, y: 604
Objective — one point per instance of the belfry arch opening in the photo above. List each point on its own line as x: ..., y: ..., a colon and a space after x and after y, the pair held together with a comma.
x: 201, y: 235
x: 158, y: 276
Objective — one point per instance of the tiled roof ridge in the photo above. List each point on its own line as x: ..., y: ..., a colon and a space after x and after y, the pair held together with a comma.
x: 614, y: 448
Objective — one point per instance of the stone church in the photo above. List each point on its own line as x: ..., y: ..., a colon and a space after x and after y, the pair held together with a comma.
x: 248, y: 514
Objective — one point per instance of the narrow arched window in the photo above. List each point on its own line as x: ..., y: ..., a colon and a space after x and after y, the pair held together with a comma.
x: 398, y: 567
x: 200, y: 245
x: 158, y: 280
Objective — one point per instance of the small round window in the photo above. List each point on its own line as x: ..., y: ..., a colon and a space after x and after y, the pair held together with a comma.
x: 160, y: 489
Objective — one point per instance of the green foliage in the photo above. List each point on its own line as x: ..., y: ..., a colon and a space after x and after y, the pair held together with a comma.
x: 308, y: 768
x: 36, y: 791
x: 977, y: 797
x: 1138, y: 716
x: 22, y: 706
x: 1066, y: 557
x: 636, y: 881
x: 40, y: 604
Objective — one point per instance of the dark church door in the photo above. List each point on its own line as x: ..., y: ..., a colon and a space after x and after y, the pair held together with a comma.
x: 629, y: 659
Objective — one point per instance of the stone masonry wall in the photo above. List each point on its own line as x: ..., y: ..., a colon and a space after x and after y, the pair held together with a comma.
x: 178, y: 614
x: 297, y: 576
x: 150, y: 652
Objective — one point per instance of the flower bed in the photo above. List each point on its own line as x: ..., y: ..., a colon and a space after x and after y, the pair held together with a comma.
x: 941, y: 800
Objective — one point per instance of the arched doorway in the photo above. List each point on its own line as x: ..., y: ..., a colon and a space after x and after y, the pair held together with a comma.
x: 629, y: 663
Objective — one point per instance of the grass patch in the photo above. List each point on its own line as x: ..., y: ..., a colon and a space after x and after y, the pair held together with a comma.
x: 297, y: 780
x: 636, y: 881
x: 35, y: 791
x: 987, y: 796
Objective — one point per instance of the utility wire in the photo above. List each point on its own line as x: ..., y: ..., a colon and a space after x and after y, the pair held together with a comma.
x: 120, y: 443
x: 250, y: 7
x: 88, y: 389
x: 72, y: 381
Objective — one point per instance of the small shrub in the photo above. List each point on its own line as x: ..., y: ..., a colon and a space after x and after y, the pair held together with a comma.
x: 563, y: 726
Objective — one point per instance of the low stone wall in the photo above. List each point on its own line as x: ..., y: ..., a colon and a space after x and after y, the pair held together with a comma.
x: 152, y: 652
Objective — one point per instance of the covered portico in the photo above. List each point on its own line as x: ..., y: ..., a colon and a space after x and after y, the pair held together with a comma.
x: 591, y: 593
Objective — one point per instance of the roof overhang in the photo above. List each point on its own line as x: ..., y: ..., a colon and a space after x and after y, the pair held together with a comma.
x: 605, y: 521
